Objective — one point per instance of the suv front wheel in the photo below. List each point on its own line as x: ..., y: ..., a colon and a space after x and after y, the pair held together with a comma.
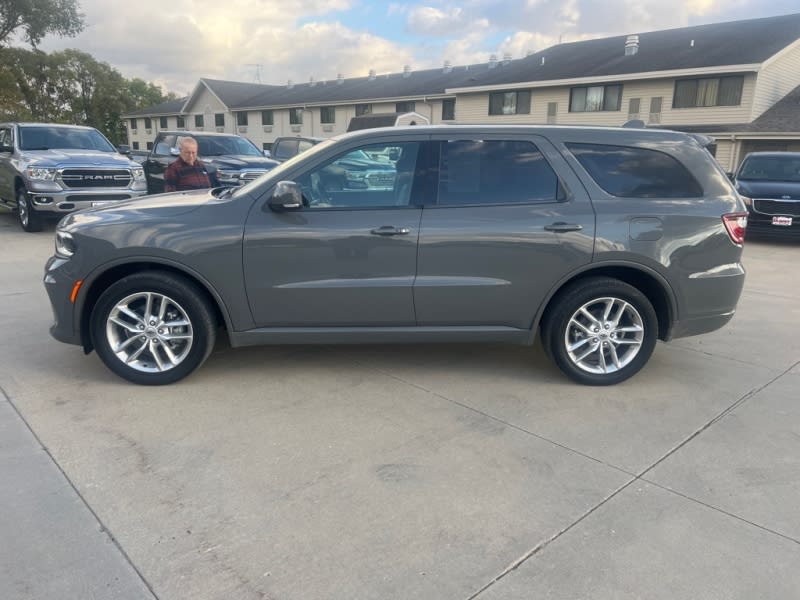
x: 600, y: 331
x: 153, y: 328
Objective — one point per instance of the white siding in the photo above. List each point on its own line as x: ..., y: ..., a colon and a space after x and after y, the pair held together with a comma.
x: 777, y: 78
x: 724, y: 154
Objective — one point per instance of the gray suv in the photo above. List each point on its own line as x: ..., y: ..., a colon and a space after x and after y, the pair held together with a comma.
x: 599, y: 240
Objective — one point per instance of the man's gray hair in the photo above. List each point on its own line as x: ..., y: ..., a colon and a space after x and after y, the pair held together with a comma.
x: 186, y: 138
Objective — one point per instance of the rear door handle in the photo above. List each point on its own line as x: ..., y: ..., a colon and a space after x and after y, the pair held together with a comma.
x: 560, y: 227
x: 390, y: 230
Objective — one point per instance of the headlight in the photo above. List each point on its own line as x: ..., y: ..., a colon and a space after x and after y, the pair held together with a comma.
x: 42, y: 173
x: 138, y: 174
x: 227, y: 175
x: 65, y: 244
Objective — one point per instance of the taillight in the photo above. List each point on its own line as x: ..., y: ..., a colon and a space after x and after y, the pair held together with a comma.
x: 736, y: 224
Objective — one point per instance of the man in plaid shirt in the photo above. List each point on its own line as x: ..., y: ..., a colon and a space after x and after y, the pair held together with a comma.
x: 187, y: 172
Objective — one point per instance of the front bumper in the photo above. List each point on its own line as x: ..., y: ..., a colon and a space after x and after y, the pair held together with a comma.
x: 59, y: 281
x: 774, y: 217
x: 66, y: 201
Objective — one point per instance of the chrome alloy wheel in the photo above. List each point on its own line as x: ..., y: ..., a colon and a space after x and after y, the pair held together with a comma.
x: 149, y: 332
x: 22, y: 207
x: 604, y: 335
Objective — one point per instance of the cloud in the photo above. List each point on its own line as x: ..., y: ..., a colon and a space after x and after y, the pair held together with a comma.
x: 175, y: 43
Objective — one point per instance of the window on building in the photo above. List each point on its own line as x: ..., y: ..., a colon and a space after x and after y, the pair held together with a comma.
x: 241, y: 119
x: 448, y: 109
x: 148, y: 123
x: 510, y: 103
x: 636, y: 172
x: 219, y: 120
x: 405, y: 107
x: 552, y: 112
x: 595, y: 98
x: 295, y: 116
x: 708, y: 91
x: 135, y: 145
x: 149, y: 145
x: 162, y: 122
x: 634, y: 104
x: 267, y: 118
x: 181, y: 122
x: 133, y: 125
x: 327, y: 114
x: 198, y: 120
x: 363, y: 109
x: 495, y: 172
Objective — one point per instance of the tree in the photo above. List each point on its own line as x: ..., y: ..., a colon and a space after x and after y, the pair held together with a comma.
x: 70, y: 87
x: 37, y: 18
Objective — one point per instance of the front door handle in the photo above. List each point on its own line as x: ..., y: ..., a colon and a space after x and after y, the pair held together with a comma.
x: 390, y: 230
x: 560, y: 227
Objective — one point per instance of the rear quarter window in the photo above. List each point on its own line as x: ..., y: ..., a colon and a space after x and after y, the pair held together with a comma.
x: 631, y: 172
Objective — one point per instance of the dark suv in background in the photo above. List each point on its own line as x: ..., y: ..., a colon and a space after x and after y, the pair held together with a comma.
x: 599, y: 240
x: 284, y: 148
x: 234, y: 159
x: 769, y: 182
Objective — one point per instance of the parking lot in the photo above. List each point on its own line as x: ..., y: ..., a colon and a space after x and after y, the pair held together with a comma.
x: 384, y: 472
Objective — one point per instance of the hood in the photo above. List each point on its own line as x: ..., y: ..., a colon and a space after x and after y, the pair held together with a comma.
x: 144, y: 208
x: 240, y: 162
x: 67, y: 157
x: 753, y: 188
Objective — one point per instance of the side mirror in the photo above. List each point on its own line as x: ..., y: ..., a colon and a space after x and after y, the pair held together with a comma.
x: 4, y: 148
x: 124, y: 149
x: 287, y: 196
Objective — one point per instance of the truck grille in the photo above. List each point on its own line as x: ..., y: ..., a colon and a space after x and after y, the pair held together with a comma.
x: 380, y: 179
x: 96, y: 178
x: 777, y: 207
x: 250, y: 175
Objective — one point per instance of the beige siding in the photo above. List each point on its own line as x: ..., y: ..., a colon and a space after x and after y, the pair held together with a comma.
x: 724, y: 154
x: 776, y: 79
x: 474, y: 108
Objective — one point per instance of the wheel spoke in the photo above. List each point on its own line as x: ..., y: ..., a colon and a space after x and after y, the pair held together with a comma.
x: 631, y: 329
x: 620, y: 313
x: 148, y: 307
x: 587, y: 353
x: 612, y: 350
x: 603, y: 364
x: 575, y: 323
x: 578, y: 344
x: 585, y: 312
x: 124, y: 309
x: 125, y: 325
x: 609, y: 307
x: 126, y: 343
x: 154, y: 351
x: 170, y: 354
x: 135, y: 355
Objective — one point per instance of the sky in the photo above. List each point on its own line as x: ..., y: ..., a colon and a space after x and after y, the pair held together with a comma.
x: 173, y: 43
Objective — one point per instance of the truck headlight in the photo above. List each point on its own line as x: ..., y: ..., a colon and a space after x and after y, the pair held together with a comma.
x: 138, y: 174
x: 65, y: 244
x: 41, y: 173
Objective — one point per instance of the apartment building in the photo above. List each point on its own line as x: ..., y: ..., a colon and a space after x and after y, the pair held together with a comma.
x: 738, y: 82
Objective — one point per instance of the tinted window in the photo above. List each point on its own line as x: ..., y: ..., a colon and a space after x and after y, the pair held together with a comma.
x: 374, y: 176
x: 45, y: 138
x: 286, y: 149
x: 495, y: 172
x: 636, y: 172
x: 163, y: 147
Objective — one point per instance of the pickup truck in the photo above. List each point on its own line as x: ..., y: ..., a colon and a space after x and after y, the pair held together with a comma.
x: 49, y: 169
x: 234, y: 159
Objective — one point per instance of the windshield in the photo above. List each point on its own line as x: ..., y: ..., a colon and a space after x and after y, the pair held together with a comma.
x: 771, y: 168
x: 62, y: 138
x: 276, y: 174
x: 218, y: 146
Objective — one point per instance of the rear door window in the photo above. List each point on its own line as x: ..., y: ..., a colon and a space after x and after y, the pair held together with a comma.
x: 495, y: 172
x: 631, y: 172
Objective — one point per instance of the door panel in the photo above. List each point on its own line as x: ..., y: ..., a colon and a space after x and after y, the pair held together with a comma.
x: 347, y: 258
x: 495, y: 246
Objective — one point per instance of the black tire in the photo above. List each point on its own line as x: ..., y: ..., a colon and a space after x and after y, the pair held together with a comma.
x: 173, y: 337
x: 29, y: 219
x: 624, y: 327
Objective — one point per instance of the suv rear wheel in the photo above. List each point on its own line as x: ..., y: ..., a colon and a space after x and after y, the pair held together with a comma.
x: 29, y: 219
x: 600, y: 331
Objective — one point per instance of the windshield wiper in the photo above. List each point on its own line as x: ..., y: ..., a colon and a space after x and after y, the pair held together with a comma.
x: 37, y: 148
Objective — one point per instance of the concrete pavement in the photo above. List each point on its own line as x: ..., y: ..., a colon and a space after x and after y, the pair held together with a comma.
x: 403, y: 471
